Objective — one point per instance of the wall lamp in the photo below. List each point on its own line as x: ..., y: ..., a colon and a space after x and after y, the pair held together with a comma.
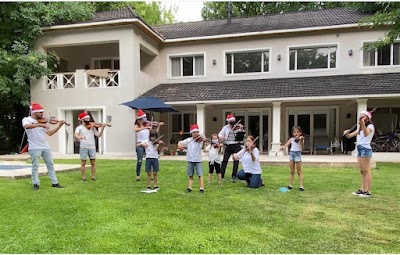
x: 350, y: 52
x: 214, y: 61
x: 279, y: 57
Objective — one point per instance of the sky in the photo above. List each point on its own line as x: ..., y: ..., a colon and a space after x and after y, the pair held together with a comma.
x: 188, y: 10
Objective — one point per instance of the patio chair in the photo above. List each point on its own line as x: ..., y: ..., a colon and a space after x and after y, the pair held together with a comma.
x: 321, y: 143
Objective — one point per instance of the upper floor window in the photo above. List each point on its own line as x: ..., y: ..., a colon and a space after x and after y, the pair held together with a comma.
x: 106, y: 63
x: 312, y: 58
x: 247, y: 62
x: 384, y: 56
x: 187, y: 66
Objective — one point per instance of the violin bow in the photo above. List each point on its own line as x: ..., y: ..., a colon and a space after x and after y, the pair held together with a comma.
x: 355, y: 125
x: 158, y: 139
x: 249, y: 146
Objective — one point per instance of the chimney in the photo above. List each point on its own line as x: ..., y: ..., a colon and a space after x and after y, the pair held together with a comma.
x: 229, y: 12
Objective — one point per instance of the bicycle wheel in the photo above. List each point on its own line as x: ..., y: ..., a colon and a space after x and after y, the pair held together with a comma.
x: 378, y: 146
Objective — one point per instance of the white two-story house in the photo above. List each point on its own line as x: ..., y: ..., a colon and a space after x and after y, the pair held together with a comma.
x: 273, y: 72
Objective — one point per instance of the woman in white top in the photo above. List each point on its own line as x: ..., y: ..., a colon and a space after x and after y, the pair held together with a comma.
x: 251, y: 171
x: 364, y: 133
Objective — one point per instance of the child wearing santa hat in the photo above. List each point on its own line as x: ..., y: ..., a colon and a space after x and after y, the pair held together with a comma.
x: 85, y: 134
x: 194, y: 145
x: 364, y: 134
x: 38, y: 146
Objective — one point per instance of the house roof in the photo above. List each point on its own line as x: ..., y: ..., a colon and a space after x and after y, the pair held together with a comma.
x: 240, y: 25
x: 122, y: 13
x: 271, y: 22
x: 280, y: 88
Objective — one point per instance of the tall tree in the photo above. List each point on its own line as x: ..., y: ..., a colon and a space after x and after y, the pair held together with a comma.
x: 217, y: 10
x: 154, y: 13
x: 20, y: 25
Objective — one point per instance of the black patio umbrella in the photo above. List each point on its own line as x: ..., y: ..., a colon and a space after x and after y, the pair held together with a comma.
x: 152, y: 104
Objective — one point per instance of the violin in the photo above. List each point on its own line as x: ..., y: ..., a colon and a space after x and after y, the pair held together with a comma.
x: 153, y: 123
x: 97, y: 125
x: 51, y: 121
x: 199, y: 139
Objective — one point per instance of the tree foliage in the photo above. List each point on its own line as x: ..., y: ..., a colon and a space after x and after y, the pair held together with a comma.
x: 217, y: 10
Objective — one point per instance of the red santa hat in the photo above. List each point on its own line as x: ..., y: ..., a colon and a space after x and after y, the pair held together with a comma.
x: 366, y: 113
x: 194, y: 128
x: 140, y: 114
x: 230, y: 117
x: 35, y: 107
x: 83, y: 115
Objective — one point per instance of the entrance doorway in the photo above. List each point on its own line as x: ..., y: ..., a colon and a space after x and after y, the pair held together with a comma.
x: 256, y: 122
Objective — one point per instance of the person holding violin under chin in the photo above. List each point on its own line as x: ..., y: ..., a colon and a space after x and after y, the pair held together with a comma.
x: 142, y: 129
x: 250, y: 157
x: 85, y: 133
x: 365, y: 132
x: 36, y: 126
x: 194, y: 145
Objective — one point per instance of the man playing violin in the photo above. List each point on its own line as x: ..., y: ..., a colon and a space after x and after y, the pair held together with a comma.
x: 85, y: 134
x: 38, y: 146
x: 227, y: 135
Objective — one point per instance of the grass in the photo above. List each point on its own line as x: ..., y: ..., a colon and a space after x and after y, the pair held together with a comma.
x: 112, y: 216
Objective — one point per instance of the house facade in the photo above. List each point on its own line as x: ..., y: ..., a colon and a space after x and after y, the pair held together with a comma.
x: 272, y: 72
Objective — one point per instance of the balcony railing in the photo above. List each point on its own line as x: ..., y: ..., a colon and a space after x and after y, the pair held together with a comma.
x: 108, y: 78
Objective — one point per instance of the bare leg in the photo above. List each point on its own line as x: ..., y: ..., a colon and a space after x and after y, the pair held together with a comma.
x: 299, y: 174
x: 83, y: 169
x: 190, y: 182
x: 360, y: 166
x: 291, y: 165
x: 93, y: 163
x: 148, y: 179
x: 219, y: 179
x: 209, y: 178
x: 201, y: 180
x: 366, y: 163
x: 155, y: 176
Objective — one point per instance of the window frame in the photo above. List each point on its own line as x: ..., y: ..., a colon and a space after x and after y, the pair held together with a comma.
x: 182, y: 113
x: 262, y: 50
x: 105, y: 58
x: 391, y: 65
x: 311, y: 46
x: 182, y: 55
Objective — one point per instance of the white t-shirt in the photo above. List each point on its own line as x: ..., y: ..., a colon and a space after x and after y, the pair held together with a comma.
x: 365, y: 141
x: 36, y: 136
x: 295, y: 146
x: 89, y: 142
x: 151, y: 149
x: 142, y: 135
x: 193, y: 151
x: 213, y: 154
x: 229, y: 135
x: 250, y: 166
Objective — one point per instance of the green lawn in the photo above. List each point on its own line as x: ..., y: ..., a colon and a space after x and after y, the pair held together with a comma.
x: 112, y: 216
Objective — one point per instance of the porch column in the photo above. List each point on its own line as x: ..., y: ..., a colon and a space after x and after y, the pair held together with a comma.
x: 201, y: 117
x: 361, y: 106
x: 276, y: 130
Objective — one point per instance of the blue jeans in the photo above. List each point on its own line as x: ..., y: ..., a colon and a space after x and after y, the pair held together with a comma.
x: 48, y: 159
x: 152, y: 162
x: 364, y: 152
x: 191, y: 166
x: 253, y: 180
x: 139, y: 154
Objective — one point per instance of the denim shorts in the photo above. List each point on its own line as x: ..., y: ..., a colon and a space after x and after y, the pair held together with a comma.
x: 364, y: 152
x: 84, y: 153
x: 152, y: 162
x: 191, y: 168
x: 295, y: 156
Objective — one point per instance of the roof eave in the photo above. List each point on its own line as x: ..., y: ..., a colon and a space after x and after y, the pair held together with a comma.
x: 263, y: 33
x: 118, y: 22
x: 283, y: 99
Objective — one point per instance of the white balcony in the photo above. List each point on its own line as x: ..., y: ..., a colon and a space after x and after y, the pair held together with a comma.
x: 100, y: 78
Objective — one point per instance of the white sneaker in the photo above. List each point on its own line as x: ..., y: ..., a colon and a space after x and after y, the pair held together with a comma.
x: 357, y: 193
x: 365, y: 194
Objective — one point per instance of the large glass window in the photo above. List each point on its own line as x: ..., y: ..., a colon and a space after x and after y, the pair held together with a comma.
x: 181, y: 126
x: 384, y: 56
x: 247, y: 62
x: 312, y: 58
x: 106, y: 63
x: 187, y: 66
